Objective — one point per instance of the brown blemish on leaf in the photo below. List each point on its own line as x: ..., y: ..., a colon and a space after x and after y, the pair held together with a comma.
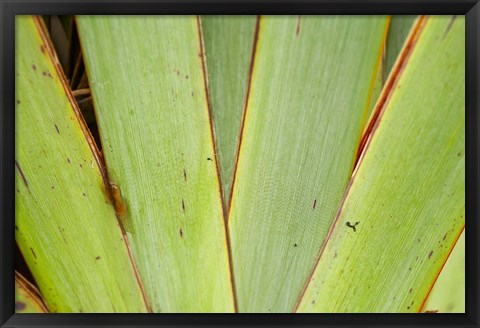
x: 459, y: 154
x: 33, y: 252
x: 42, y: 48
x: 18, y: 102
x: 298, y: 24
x: 295, y: 245
x: 22, y: 175
x: 430, y: 254
x: 183, y: 206
x: 444, y: 237
x: 56, y: 127
x: 117, y: 199
x: 314, y: 204
x: 185, y: 175
x: 68, y: 160
x: 450, y: 24
x: 34, y: 67
x: 181, y: 233
x: 19, y: 306
x: 84, y: 194
x: 97, y: 258
x: 209, y: 159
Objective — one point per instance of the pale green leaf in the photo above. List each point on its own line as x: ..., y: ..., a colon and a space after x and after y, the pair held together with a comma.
x: 311, y: 82
x: 228, y: 51
x: 448, y: 293
x: 149, y: 93
x: 65, y: 226
x: 406, y: 199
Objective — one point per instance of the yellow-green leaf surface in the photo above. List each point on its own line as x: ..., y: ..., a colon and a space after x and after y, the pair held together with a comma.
x: 228, y: 51
x: 310, y: 88
x: 448, y: 293
x: 65, y: 226
x: 148, y: 84
x: 27, y: 297
x: 406, y: 197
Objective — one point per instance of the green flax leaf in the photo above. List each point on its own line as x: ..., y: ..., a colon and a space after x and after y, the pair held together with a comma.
x: 148, y: 86
x: 310, y: 88
x: 406, y: 198
x: 228, y: 51
x: 65, y: 226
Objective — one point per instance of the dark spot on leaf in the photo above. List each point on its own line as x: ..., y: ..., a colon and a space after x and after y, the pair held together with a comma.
x: 352, y: 225
x: 34, y: 255
x: 183, y: 206
x: 22, y: 175
x: 313, y: 302
x: 181, y: 233
x: 19, y: 306
x: 410, y: 290
x: 18, y: 101
x: 298, y: 24
x: 97, y: 258
x: 34, y: 67
x: 209, y: 159
x: 295, y: 245
x: 193, y: 93
x: 186, y: 76
x: 185, y: 175
x: 16, y: 227
x: 68, y: 160
x: 459, y: 154
x: 444, y: 237
x: 408, y: 308
x: 53, y: 187
x: 314, y: 203
x: 84, y: 194
x: 81, y: 165
x: 430, y: 254
x: 56, y: 127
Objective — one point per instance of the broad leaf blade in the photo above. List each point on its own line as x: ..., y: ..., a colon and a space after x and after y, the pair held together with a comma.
x: 148, y: 87
x: 228, y: 52
x: 311, y: 82
x: 65, y: 226
x: 407, y: 194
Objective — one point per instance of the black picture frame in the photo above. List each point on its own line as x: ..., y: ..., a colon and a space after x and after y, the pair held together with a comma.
x: 10, y: 8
